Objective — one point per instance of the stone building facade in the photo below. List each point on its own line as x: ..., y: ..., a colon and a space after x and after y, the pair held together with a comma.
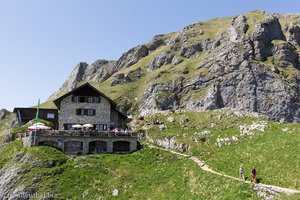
x: 68, y: 115
x: 87, y: 105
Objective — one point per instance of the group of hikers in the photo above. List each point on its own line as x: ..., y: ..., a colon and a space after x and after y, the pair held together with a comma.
x: 253, y: 173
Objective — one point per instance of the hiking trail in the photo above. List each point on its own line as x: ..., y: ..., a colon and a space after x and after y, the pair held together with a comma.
x: 206, y: 168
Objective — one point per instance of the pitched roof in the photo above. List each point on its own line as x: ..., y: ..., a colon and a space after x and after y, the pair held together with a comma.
x: 114, y: 104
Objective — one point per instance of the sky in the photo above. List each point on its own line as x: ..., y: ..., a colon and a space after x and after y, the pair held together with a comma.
x: 41, y: 41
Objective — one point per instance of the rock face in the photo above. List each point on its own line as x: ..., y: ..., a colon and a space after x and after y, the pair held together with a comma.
x: 158, y: 97
x: 3, y: 114
x: 286, y: 55
x: 97, y: 72
x: 11, y: 175
x: 170, y: 143
x: 8, y: 177
x: 131, y: 57
x: 100, y: 70
x: 163, y: 59
x: 248, y: 62
x: 9, y: 188
x: 237, y: 30
x: 8, y: 137
x: 263, y: 33
x: 294, y: 35
x: 120, y: 78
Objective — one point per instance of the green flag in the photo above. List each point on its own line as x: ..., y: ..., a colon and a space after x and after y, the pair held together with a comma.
x: 37, y: 112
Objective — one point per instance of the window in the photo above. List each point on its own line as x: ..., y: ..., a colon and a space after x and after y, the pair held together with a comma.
x: 88, y: 112
x: 50, y: 116
x: 82, y: 99
x: 100, y: 127
x: 90, y: 99
x: 85, y: 99
x: 68, y: 126
x: 78, y: 111
x: 74, y: 98
x: 97, y: 99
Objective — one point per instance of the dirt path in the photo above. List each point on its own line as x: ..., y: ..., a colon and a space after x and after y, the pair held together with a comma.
x: 205, y: 167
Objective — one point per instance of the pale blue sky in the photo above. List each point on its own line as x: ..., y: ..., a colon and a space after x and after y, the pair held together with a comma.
x: 42, y: 40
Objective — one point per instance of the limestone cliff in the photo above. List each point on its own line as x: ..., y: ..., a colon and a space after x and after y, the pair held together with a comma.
x: 248, y: 62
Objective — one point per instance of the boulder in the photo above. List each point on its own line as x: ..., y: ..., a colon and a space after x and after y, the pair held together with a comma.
x: 136, y: 73
x: 162, y: 59
x: 190, y: 49
x: 8, y: 137
x: 120, y: 78
x: 162, y: 127
x: 171, y: 119
x: 171, y: 143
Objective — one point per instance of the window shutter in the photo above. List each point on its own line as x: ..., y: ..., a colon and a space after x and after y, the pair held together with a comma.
x: 97, y: 99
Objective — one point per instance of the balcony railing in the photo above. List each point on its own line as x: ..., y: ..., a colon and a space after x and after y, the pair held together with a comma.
x: 86, y: 133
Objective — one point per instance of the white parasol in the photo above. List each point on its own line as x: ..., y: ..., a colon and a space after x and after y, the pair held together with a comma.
x: 88, y: 126
x: 77, y: 126
x: 38, y: 126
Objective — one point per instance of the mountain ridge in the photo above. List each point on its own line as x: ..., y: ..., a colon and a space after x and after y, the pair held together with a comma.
x: 248, y: 62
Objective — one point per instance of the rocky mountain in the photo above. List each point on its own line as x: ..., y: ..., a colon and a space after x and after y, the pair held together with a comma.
x: 248, y: 62
x: 99, y: 71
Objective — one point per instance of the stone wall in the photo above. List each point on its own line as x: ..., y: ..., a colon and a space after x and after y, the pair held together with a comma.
x: 61, y: 140
x: 67, y: 113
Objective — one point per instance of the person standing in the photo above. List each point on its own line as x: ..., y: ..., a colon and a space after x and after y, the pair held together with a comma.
x: 253, y: 172
x: 242, y: 172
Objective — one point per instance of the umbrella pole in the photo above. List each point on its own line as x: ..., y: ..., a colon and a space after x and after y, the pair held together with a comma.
x: 35, y: 134
x: 34, y: 138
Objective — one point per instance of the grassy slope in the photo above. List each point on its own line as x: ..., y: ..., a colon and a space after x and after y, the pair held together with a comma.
x: 275, y: 153
x: 146, y: 174
x: 276, y: 156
